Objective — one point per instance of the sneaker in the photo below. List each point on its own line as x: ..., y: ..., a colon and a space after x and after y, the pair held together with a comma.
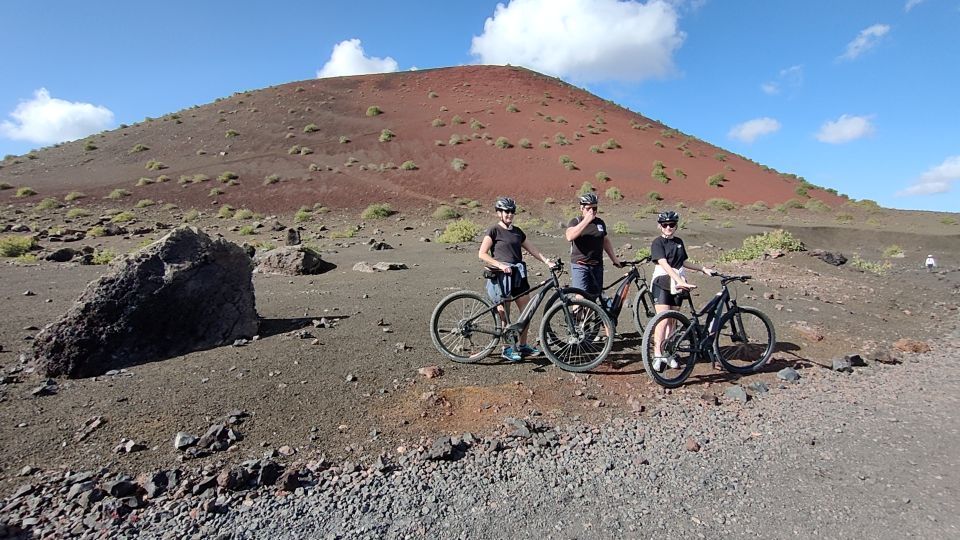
x: 659, y: 361
x: 528, y: 350
x: 511, y: 355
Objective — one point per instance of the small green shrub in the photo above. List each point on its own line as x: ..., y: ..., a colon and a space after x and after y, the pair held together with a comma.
x: 549, y: 200
x: 144, y: 203
x: 15, y: 246
x: 458, y: 164
x: 48, y: 203
x: 215, y: 192
x: 373, y: 110
x: 614, y: 194
x: 408, y: 165
x: 503, y: 142
x: 226, y: 212
x: 544, y: 144
x: 512, y: 108
x: 118, y: 194
x: 816, y: 205
x: 641, y: 254
x: 602, y: 176
x: 754, y: 246
x: 191, y: 215
x: 97, y: 231
x: 655, y: 196
x: 476, y: 125
x: 89, y: 146
x: 758, y: 206
x: 843, y: 218
x: 246, y: 230
x: 431, y: 94
x: 715, y: 180
x: 243, y: 213
x: 144, y: 181
x: 679, y: 173
x: 893, y: 251
x: 271, y: 179
x: 227, y: 176
x: 304, y: 214
x: 445, y: 212
x: 198, y: 178
x: 595, y: 149
x: 687, y: 153
x: 611, y: 144
x: 721, y: 204
x: 437, y: 122
x: 231, y: 133
x: 386, y: 135
x: 295, y: 149
x: 123, y: 217
x: 77, y: 212
x: 525, y: 143
x: 5, y: 186
x: 310, y: 128
x: 720, y: 156
x: 585, y: 188
x: 459, y: 231
x: 105, y: 256
x: 456, y: 119
x: 24, y: 192
x: 621, y: 227
x: 948, y: 221
x: 870, y: 266
x: 658, y: 144
x: 154, y: 165
x: 138, y: 148
x: 377, y: 211
x: 343, y: 139
x: 561, y: 140
x: 163, y: 178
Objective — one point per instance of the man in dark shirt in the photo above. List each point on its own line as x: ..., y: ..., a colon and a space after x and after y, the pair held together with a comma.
x: 588, y: 239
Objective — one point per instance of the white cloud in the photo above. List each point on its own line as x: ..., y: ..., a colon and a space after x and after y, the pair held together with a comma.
x: 865, y: 40
x: 348, y: 59
x: 790, y: 78
x: 751, y: 129
x: 911, y: 4
x: 937, y: 179
x: 47, y: 120
x: 845, y: 129
x: 586, y: 40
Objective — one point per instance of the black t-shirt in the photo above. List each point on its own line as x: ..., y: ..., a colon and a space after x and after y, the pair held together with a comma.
x: 506, y: 243
x: 588, y: 247
x: 671, y: 249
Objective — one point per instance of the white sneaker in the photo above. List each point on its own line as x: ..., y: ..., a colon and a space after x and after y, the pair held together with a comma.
x: 659, y: 361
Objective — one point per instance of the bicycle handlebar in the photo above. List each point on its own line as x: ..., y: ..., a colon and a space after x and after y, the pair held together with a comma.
x: 724, y: 279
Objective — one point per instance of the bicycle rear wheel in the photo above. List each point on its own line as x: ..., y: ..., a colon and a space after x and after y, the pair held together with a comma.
x: 465, y: 327
x: 678, y: 344
x: 577, y: 336
x: 745, y: 341
x: 642, y: 309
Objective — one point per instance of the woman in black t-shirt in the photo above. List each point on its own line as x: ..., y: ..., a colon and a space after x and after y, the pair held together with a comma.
x: 500, y: 250
x: 668, y: 280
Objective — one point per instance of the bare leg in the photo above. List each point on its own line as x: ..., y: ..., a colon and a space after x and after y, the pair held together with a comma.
x: 663, y: 329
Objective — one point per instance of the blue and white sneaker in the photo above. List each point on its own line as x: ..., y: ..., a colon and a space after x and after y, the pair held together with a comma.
x: 528, y: 350
x: 510, y: 355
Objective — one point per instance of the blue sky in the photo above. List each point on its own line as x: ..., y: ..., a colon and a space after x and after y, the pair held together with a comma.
x: 860, y: 96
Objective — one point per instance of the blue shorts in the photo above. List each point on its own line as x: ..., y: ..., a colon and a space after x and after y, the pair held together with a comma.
x: 588, y: 277
x: 506, y: 285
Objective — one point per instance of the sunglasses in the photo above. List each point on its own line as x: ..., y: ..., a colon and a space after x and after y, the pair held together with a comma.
x: 671, y: 225
x: 509, y: 211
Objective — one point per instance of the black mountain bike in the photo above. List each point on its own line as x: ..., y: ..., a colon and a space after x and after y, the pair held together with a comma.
x: 642, y: 304
x: 465, y: 326
x: 741, y: 338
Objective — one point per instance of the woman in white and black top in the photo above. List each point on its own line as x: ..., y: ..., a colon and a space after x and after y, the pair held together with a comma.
x: 500, y: 250
x: 669, y: 279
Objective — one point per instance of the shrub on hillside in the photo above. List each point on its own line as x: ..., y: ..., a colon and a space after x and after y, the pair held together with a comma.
x: 459, y: 231
x: 614, y: 194
x: 377, y: 211
x: 15, y: 246
x: 754, y: 246
x: 445, y: 212
x: 721, y: 204
x: 373, y: 110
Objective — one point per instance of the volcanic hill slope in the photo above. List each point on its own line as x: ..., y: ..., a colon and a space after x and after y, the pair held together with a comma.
x: 318, y: 143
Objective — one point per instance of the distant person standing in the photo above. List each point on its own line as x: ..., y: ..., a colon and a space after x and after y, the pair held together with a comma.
x: 931, y: 264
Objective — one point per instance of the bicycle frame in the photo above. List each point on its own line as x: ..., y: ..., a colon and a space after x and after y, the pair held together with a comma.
x: 714, y: 310
x: 623, y: 291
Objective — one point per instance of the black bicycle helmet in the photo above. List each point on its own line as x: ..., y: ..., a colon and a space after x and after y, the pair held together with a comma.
x: 506, y: 204
x: 668, y: 217
x: 588, y: 199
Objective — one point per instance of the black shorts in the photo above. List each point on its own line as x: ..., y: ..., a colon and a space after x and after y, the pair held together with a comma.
x: 660, y: 288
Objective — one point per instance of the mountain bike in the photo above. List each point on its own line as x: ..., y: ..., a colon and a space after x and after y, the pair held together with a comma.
x: 466, y: 326
x: 642, y: 304
x: 740, y: 338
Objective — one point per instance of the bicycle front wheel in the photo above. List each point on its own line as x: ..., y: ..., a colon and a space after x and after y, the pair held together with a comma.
x: 745, y: 341
x: 642, y: 309
x: 576, y: 335
x: 465, y: 327
x: 677, y: 348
